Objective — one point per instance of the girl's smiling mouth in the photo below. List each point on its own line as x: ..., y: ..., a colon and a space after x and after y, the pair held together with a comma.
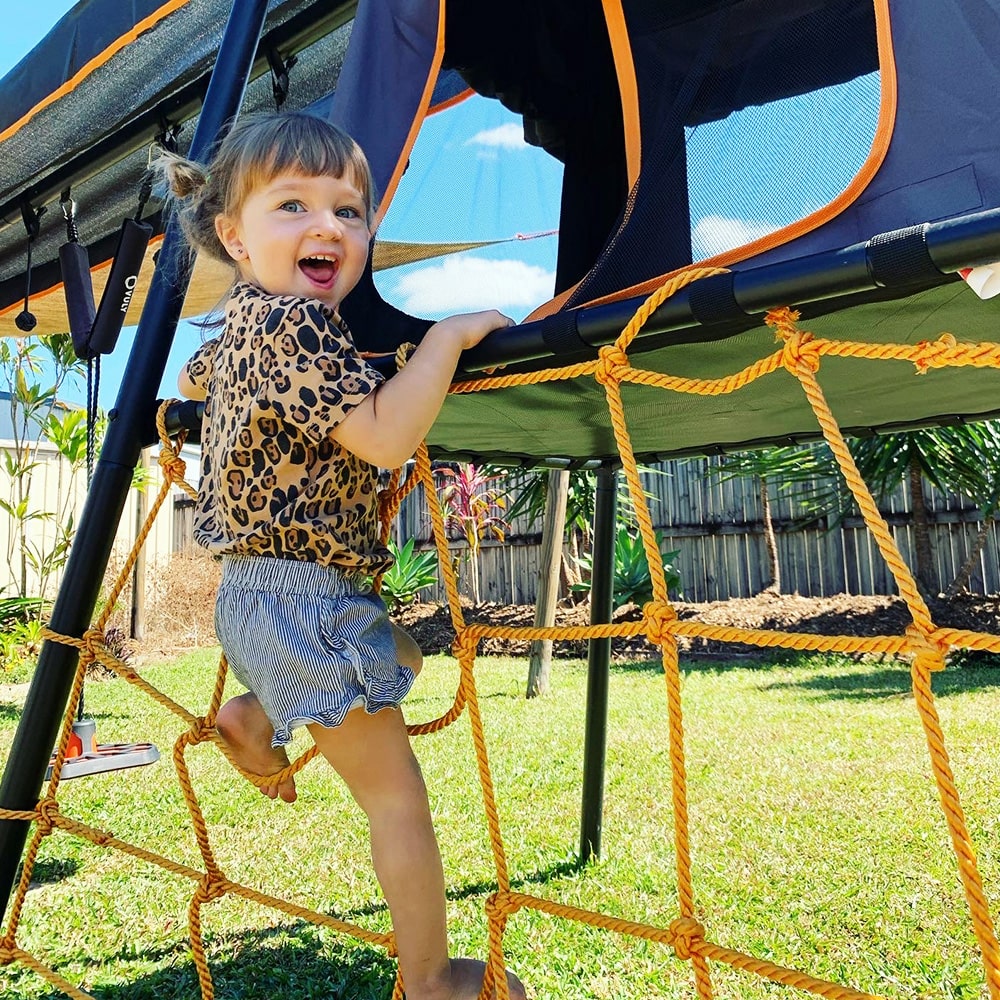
x: 320, y: 270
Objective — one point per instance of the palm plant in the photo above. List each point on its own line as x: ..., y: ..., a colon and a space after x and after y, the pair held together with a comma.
x: 529, y: 501
x: 964, y: 458
x: 806, y: 474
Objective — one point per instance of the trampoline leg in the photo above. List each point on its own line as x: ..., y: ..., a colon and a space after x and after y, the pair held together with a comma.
x: 598, y: 664
x: 134, y: 412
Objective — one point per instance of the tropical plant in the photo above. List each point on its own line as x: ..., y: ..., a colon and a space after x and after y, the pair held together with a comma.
x: 633, y: 582
x: 964, y: 458
x: 35, y: 370
x: 807, y: 474
x: 980, y: 481
x: 411, y: 572
x: 473, y: 509
x: 531, y: 491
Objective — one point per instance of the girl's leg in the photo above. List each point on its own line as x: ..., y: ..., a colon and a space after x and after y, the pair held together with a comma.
x: 372, y: 754
x: 244, y: 725
x: 247, y: 731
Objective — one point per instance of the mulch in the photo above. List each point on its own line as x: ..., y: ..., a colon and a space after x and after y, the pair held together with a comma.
x: 841, y: 614
x: 181, y: 608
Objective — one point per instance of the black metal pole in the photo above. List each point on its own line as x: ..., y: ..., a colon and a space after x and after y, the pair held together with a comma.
x: 598, y: 664
x: 74, y: 606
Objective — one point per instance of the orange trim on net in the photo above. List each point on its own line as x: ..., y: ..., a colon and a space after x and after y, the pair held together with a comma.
x: 99, y: 60
x: 418, y: 119
x: 850, y: 194
x: 450, y: 102
x: 621, y: 50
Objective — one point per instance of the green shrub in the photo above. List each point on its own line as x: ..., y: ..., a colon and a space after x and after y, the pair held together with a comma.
x: 410, y: 573
x: 633, y: 583
x: 15, y: 610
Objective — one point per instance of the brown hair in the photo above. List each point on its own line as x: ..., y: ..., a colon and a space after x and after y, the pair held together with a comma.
x: 256, y: 149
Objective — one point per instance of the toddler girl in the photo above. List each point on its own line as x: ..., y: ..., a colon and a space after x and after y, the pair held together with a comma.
x: 295, y: 426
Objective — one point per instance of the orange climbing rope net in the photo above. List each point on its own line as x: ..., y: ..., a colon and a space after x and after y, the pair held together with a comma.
x: 926, y: 644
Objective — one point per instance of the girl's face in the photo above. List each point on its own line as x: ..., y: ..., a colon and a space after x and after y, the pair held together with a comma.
x: 298, y: 235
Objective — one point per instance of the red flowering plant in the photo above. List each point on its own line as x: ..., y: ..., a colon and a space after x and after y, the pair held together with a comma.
x: 473, y: 509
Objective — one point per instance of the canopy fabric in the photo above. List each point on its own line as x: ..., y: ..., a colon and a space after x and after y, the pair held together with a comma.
x: 210, y: 282
x: 635, y: 98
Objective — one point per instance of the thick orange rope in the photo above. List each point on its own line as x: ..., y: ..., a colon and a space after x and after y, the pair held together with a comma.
x: 800, y: 355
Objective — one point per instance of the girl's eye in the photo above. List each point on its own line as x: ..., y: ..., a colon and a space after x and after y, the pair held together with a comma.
x: 348, y: 212
x: 291, y: 206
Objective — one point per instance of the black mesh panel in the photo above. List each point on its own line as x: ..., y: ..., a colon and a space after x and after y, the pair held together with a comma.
x: 732, y: 149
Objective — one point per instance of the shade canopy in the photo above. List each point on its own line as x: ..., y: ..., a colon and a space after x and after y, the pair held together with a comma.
x: 837, y: 157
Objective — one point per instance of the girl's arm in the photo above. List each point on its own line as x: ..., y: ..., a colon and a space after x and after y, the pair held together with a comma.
x: 387, y: 426
x: 192, y: 382
x: 188, y: 389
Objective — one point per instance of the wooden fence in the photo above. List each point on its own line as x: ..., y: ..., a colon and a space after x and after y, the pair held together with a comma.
x: 718, y: 528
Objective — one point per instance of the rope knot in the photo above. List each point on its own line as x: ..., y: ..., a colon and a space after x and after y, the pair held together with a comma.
x: 198, y: 731
x: 48, y: 813
x: 500, y: 904
x: 174, y: 467
x: 658, y: 616
x: 209, y: 888
x: 464, y: 646
x: 386, y: 501
x: 930, y: 353
x: 928, y: 651
x: 799, y: 353
x: 686, y: 931
x: 612, y: 364
x: 92, y: 643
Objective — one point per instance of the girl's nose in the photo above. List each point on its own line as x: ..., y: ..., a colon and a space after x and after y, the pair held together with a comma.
x: 328, y: 226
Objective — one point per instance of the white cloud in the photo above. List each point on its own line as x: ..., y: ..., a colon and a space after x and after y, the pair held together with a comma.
x: 509, y: 136
x: 715, y: 233
x: 466, y: 284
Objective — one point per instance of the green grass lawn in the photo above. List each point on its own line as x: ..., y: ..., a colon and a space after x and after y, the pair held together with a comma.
x: 816, y: 836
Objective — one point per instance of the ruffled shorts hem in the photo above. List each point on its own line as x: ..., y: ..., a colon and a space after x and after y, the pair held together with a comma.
x: 330, y: 718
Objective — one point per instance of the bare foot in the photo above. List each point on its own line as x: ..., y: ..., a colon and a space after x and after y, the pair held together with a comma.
x: 467, y: 980
x: 247, y: 732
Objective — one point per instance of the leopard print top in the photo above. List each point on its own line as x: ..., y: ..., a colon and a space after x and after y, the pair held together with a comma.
x: 279, y: 378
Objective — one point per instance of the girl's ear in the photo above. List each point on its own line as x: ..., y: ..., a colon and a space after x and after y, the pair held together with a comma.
x: 229, y: 237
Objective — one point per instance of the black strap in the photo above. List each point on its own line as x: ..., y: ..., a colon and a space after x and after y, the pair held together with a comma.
x: 560, y: 334
x: 712, y: 300
x: 901, y: 257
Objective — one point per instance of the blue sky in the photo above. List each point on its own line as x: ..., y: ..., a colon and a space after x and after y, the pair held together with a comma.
x: 472, y: 177
x: 482, y: 183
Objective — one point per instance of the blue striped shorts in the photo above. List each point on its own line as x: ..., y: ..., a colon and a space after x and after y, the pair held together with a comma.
x: 308, y: 640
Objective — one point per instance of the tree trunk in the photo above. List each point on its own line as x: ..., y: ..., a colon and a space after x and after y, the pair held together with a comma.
x: 474, y: 573
x: 925, y: 572
x: 961, y: 582
x: 553, y: 528
x: 771, y: 543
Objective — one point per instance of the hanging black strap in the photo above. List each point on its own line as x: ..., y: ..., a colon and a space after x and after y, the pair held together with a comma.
x: 132, y: 242
x: 25, y: 320
x: 74, y: 264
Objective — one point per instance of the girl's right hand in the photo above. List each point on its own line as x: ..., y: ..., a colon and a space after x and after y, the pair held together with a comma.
x: 470, y: 328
